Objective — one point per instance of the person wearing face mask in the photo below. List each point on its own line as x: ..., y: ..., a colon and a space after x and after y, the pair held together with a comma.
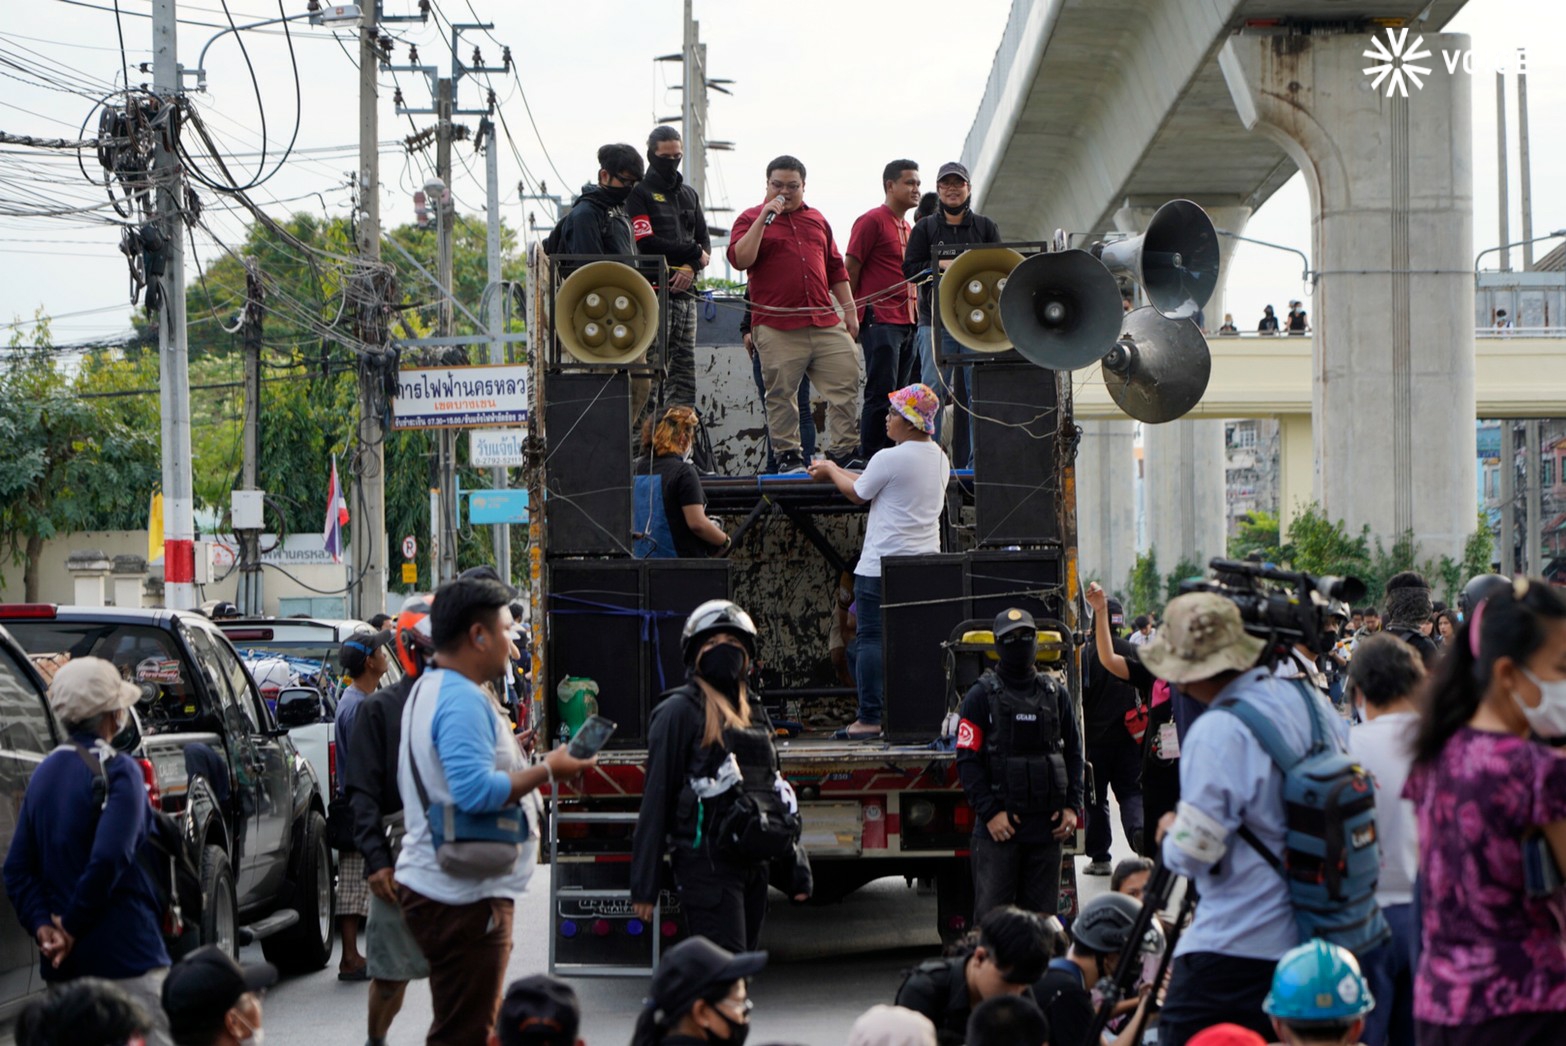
x: 1490, y: 798
x: 211, y: 1000
x: 954, y: 222
x: 598, y: 222
x: 1019, y: 755
x: 670, y: 494
x: 72, y: 873
x: 1098, y: 935
x: 1005, y: 955
x: 712, y: 770
x: 667, y: 219
x: 699, y: 995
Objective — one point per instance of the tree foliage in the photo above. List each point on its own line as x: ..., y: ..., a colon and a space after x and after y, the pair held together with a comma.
x: 1144, y: 586
x: 1257, y: 533
x: 68, y: 462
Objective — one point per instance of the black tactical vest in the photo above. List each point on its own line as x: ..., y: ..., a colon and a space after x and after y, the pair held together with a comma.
x: 1023, y: 746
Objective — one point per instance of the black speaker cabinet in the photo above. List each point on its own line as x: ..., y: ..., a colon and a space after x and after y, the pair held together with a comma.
x: 1016, y: 490
x: 587, y: 419
x: 675, y: 587
x: 618, y: 622
x: 1033, y: 579
x: 595, y: 630
x: 931, y: 589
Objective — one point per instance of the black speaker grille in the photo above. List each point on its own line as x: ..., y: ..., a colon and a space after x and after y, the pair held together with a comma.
x: 588, y: 472
x: 1016, y: 478
x: 922, y: 600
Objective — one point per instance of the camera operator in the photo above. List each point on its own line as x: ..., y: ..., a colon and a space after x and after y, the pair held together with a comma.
x: 1224, y: 962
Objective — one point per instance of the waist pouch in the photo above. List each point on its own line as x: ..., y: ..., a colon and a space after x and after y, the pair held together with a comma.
x: 753, y: 826
x: 1034, y: 784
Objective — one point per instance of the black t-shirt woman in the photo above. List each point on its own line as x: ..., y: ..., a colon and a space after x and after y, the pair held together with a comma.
x: 684, y: 503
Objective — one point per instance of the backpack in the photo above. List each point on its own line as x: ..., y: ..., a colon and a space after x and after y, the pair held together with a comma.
x: 750, y: 823
x: 1331, y: 858
x: 654, y: 539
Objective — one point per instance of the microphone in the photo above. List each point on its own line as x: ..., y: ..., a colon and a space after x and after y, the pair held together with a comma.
x: 769, y: 218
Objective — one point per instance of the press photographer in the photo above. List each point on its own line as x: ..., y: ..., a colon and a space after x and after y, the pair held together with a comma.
x: 1228, y: 834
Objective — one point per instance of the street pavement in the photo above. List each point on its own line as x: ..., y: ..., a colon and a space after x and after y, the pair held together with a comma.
x: 828, y: 965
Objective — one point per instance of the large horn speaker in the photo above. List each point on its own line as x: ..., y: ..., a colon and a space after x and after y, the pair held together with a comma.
x: 1159, y: 368
x: 1062, y: 309
x: 970, y: 297
x: 1175, y: 260
x: 606, y: 313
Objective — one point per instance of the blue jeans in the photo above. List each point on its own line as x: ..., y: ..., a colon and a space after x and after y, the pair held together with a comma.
x: 1390, y: 972
x: 890, y: 364
x: 807, y: 421
x: 869, y: 675
x: 948, y: 380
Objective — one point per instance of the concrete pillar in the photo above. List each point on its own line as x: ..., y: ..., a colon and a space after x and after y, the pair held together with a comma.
x: 1390, y: 182
x: 88, y: 568
x: 1296, y: 468
x: 130, y: 575
x: 1185, y: 485
x: 1106, y: 502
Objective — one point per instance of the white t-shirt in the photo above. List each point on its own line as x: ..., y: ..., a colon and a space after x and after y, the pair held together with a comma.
x: 905, y: 485
x: 1382, y: 745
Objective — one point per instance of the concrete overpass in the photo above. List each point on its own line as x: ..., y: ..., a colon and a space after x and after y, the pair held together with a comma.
x: 1096, y: 111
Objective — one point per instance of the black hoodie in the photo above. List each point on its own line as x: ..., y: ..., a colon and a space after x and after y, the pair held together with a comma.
x: 596, y: 225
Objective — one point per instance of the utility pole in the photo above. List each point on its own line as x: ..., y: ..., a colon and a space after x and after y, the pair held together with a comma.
x: 497, y: 292
x: 1526, y: 174
x: 1504, y: 204
x: 694, y: 106
x: 367, y: 519
x: 445, y: 324
x: 250, y: 603
x: 179, y: 523
x: 1532, y: 563
x: 1508, y: 497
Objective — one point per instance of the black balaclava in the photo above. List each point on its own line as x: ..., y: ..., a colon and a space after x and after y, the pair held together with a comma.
x: 614, y: 193
x: 954, y: 210
x: 668, y: 167
x: 1017, y: 651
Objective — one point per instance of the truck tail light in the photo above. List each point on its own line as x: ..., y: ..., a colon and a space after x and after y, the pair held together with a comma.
x: 149, y: 778
x: 33, y: 611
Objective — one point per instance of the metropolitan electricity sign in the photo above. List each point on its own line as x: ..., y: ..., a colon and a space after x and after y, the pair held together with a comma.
x: 461, y: 397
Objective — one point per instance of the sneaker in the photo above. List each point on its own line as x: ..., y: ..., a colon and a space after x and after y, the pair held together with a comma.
x: 791, y: 462
x: 1097, y: 868
x: 850, y: 461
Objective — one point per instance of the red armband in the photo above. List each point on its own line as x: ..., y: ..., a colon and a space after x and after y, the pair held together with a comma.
x: 641, y: 226
x: 970, y: 736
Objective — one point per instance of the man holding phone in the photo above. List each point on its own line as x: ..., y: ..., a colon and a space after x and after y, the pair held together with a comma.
x: 467, y: 758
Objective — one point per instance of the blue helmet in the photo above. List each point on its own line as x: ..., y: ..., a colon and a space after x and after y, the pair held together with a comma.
x: 1318, y: 981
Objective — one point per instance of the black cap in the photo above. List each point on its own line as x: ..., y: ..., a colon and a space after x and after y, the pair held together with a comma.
x: 357, y: 648
x: 538, y: 1011
x: 692, y: 968
x: 1011, y: 620
x: 953, y: 167
x: 1117, y: 613
x: 205, y: 985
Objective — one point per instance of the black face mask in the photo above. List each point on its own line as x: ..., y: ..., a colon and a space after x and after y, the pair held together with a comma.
x: 1017, y: 654
x: 724, y: 668
x: 615, y: 193
x: 737, y: 1031
x: 949, y: 209
x: 666, y: 166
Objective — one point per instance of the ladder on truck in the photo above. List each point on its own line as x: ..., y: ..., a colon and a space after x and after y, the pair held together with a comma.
x: 559, y: 894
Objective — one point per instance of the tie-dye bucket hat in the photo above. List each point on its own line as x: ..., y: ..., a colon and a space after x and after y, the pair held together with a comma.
x: 917, y: 405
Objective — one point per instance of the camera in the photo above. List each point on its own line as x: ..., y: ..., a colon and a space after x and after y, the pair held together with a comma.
x: 1284, y: 607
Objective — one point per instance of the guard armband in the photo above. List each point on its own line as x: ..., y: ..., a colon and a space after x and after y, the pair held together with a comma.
x: 1198, y: 835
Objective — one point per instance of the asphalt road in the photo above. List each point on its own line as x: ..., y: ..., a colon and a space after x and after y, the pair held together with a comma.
x: 829, y: 964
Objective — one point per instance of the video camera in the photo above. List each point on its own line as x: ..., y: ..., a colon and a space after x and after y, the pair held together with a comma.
x: 1291, y: 612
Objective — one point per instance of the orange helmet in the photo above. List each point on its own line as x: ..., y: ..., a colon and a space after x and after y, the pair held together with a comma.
x: 412, y: 639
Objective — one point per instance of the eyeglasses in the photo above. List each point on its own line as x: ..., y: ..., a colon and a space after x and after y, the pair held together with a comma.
x: 745, y: 1005
x: 778, y: 186
x: 627, y: 180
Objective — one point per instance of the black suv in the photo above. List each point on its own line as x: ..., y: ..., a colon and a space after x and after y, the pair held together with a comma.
x: 219, y: 762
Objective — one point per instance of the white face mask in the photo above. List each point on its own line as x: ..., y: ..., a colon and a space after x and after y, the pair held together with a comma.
x: 1548, y: 719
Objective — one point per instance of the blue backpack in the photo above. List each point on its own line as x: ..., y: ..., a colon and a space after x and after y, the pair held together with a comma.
x: 654, y: 539
x: 1331, y: 858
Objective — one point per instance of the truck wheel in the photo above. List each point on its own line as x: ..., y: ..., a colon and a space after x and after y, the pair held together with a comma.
x: 954, y: 899
x: 307, y: 945
x: 219, y: 910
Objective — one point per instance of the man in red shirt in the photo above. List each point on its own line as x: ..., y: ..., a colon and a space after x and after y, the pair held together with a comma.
x: 797, y: 283
x: 875, y: 275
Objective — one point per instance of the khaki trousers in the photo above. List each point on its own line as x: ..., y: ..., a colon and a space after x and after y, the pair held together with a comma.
x: 828, y: 356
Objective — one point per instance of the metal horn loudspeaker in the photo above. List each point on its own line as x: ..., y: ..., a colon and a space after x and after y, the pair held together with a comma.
x: 1159, y: 368
x: 970, y: 297
x: 606, y: 313
x: 1175, y: 260
x: 1062, y: 309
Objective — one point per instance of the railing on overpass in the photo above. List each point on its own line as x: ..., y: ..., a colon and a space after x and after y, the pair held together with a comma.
x: 1479, y: 332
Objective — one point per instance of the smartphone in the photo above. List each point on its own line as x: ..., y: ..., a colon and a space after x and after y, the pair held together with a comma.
x: 590, y: 737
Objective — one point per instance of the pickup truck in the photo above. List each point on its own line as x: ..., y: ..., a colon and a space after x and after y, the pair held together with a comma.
x: 218, y: 760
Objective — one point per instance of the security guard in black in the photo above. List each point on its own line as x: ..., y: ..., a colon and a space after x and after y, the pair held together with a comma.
x: 1019, y: 756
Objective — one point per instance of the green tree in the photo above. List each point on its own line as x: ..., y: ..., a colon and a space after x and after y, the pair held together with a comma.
x: 1144, y: 586
x: 1318, y: 545
x: 71, y: 458
x: 1257, y: 532
x: 1184, y: 569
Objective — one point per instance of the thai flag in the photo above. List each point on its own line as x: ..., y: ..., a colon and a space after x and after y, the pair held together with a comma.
x: 336, y: 516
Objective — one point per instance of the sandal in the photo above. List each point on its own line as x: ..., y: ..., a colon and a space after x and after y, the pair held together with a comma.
x: 848, y: 733
x: 358, y: 973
